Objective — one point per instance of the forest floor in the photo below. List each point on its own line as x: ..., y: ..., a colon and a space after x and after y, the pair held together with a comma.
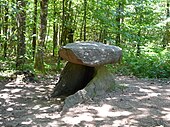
x: 139, y: 103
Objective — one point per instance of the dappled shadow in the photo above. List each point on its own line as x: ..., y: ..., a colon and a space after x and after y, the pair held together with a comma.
x: 27, y: 104
x: 143, y: 103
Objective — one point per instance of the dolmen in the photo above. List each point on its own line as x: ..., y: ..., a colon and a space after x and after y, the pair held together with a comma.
x: 85, y: 75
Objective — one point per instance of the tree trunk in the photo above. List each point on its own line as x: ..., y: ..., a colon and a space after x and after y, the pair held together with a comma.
x: 21, y: 48
x: 138, y: 36
x: 84, y: 18
x: 13, y: 32
x: 34, y: 29
x: 166, y: 38
x: 119, y: 18
x: 138, y: 44
x: 0, y: 22
x: 55, y: 31
x: 70, y: 36
x: 81, y: 31
x: 67, y: 23
x: 63, y: 34
x: 1, y: 28
x: 39, y: 59
x: 118, y: 21
x: 54, y: 28
x: 6, y: 29
x: 168, y: 10
x: 70, y: 27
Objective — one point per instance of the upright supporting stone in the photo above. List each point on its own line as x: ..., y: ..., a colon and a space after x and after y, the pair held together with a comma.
x: 102, y: 83
x: 73, y: 78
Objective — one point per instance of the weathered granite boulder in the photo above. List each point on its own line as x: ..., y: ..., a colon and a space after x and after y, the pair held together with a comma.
x: 90, y: 53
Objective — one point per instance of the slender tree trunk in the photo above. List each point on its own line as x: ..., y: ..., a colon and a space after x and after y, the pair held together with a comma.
x: 54, y: 28
x: 47, y: 37
x: 70, y: 27
x: 6, y: 29
x: 166, y: 37
x: 101, y: 35
x: 63, y: 36
x: 118, y: 21
x: 104, y: 36
x: 81, y: 31
x: 58, y: 34
x: 14, y: 23
x: 39, y: 59
x: 55, y: 37
x: 84, y: 18
x: 67, y: 23
x: 1, y: 22
x: 63, y: 32
x: 34, y: 32
x: 70, y: 36
x: 138, y: 44
x: 21, y: 20
x: 1, y: 28
x: 168, y: 10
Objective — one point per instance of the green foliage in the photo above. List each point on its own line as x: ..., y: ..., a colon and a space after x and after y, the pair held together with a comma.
x: 142, y: 23
x: 7, y: 64
x: 152, y: 63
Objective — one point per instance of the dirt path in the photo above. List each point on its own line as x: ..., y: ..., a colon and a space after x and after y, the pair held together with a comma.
x: 138, y: 103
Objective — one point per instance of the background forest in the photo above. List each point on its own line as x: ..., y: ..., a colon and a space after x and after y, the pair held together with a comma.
x: 32, y: 31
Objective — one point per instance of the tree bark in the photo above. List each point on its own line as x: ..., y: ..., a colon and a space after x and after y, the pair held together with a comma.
x: 55, y: 32
x: 166, y: 38
x: 118, y: 21
x: 0, y: 22
x: 1, y: 28
x: 71, y: 24
x: 6, y: 29
x: 34, y: 29
x: 63, y: 34
x: 138, y: 44
x: 13, y: 33
x: 39, y: 59
x: 67, y: 23
x: 54, y: 28
x: 84, y: 18
x: 168, y: 10
x: 138, y: 36
x: 21, y: 47
x: 81, y: 31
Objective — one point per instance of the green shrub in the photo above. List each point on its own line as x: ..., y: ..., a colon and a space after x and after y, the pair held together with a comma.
x: 151, y: 64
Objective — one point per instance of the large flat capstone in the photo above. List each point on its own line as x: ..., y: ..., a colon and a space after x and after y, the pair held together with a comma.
x: 91, y: 53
